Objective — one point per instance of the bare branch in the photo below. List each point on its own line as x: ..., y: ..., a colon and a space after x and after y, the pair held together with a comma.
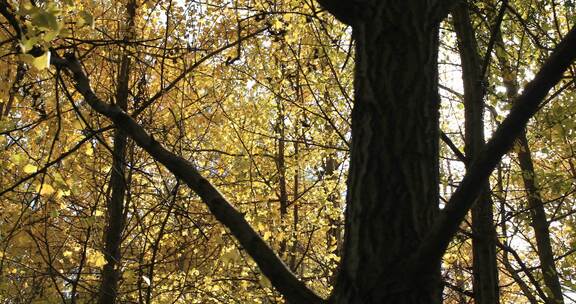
x: 56, y: 160
x: 279, y: 275
x: 187, y: 71
x: 525, y: 106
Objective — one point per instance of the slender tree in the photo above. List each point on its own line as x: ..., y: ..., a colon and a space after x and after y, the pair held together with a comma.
x: 539, y: 221
x: 486, y: 285
x: 118, y: 181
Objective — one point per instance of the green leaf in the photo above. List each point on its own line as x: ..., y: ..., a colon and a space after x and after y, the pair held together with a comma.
x: 46, y: 20
x: 27, y: 44
x: 50, y: 35
x: 85, y: 19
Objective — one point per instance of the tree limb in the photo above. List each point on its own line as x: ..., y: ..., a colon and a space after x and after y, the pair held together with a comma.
x: 344, y: 10
x: 525, y: 106
x: 5, y: 8
x: 444, y: 7
x: 279, y: 275
x: 461, y: 157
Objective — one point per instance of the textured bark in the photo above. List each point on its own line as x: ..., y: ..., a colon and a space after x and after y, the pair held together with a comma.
x: 526, y: 290
x: 485, y: 267
x: 393, y: 179
x: 115, y: 220
x: 115, y: 205
x: 334, y: 235
x: 293, y: 251
x: 539, y: 223
x: 537, y: 211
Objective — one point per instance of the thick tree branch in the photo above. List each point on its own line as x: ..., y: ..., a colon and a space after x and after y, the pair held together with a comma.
x: 485, y: 265
x: 494, y: 34
x: 344, y: 10
x: 5, y: 10
x: 115, y: 204
x: 279, y: 275
x: 444, y: 7
x: 524, y: 108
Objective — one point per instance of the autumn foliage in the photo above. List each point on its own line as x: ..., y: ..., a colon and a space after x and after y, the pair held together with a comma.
x: 257, y: 96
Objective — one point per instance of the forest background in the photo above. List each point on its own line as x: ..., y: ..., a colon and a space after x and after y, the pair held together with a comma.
x: 257, y: 97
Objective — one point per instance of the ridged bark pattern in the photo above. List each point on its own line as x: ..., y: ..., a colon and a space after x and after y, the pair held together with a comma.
x: 393, y: 178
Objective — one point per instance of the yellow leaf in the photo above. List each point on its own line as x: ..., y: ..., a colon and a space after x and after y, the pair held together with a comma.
x: 277, y: 24
x: 89, y: 150
x: 78, y: 124
x: 42, y: 62
x: 30, y: 169
x: 45, y: 189
x: 16, y: 158
x: 95, y: 258
x: 261, y: 227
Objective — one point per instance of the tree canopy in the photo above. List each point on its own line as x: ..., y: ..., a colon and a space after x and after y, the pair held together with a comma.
x: 160, y: 151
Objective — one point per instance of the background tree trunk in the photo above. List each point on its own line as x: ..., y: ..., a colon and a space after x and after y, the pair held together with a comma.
x: 485, y: 266
x: 115, y: 205
x: 537, y: 211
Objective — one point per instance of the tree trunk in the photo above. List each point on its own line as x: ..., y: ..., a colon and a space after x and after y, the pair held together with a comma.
x: 485, y: 267
x: 526, y: 290
x: 540, y: 224
x: 115, y: 205
x: 115, y: 220
x: 280, y: 159
x: 334, y: 238
x: 393, y: 180
x: 537, y: 211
